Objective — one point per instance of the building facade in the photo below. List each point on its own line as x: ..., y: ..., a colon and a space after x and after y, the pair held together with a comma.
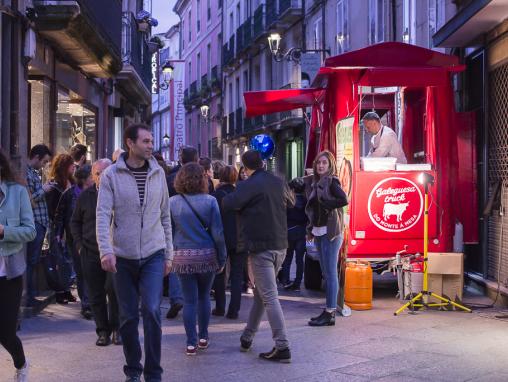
x: 200, y: 47
x: 72, y: 72
x: 478, y: 32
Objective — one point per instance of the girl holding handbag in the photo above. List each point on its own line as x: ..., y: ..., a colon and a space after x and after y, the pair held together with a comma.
x: 325, y: 200
x: 199, y: 249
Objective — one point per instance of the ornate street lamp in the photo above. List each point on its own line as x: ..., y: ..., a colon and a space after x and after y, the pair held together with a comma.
x: 204, y: 111
x: 292, y: 54
x: 165, y: 140
x: 167, y: 75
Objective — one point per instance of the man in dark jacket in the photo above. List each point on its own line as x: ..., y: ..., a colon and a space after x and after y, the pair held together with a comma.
x: 187, y: 155
x: 98, y: 281
x: 261, y: 203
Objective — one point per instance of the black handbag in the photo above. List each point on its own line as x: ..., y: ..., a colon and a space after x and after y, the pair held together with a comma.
x: 57, y: 266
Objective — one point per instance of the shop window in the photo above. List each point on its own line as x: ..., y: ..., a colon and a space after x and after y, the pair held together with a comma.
x: 40, y: 96
x: 75, y: 123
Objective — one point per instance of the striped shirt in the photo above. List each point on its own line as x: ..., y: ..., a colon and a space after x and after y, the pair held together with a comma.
x: 140, y: 174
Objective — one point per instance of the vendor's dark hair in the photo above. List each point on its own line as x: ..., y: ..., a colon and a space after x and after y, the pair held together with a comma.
x: 39, y: 151
x: 132, y: 132
x: 252, y: 160
x: 371, y: 116
x: 191, y: 179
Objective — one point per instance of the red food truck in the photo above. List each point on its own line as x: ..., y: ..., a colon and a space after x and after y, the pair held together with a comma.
x: 411, y: 89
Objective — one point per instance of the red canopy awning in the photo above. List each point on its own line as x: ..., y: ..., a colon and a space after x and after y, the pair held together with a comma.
x: 393, y: 54
x: 272, y: 101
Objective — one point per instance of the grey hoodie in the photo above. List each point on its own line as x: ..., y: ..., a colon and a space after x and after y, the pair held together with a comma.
x: 124, y: 227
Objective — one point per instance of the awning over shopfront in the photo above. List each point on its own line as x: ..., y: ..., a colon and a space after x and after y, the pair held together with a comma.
x: 467, y: 27
x: 272, y: 101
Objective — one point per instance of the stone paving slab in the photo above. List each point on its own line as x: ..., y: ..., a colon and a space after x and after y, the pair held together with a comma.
x: 368, y: 346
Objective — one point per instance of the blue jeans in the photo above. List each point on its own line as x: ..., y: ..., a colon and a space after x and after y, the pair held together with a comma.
x: 196, y: 295
x: 175, y: 289
x: 328, y: 259
x: 133, y: 280
x: 33, y: 256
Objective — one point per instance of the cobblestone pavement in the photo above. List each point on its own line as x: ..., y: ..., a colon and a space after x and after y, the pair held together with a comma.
x: 369, y: 345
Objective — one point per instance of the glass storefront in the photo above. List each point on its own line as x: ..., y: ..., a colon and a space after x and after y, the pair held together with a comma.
x: 40, y: 112
x: 75, y: 123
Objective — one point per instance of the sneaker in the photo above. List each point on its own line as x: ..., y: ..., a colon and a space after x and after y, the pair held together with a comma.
x: 326, y: 319
x: 190, y: 350
x: 173, y: 311
x: 275, y: 355
x: 203, y: 344
x: 21, y: 375
x: 245, y: 345
x: 293, y: 287
x: 250, y: 291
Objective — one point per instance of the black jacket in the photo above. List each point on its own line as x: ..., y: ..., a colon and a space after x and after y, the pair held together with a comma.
x: 83, y: 221
x: 52, y: 199
x: 228, y: 218
x: 297, y: 218
x: 261, y: 203
x: 170, y: 179
x: 64, y: 212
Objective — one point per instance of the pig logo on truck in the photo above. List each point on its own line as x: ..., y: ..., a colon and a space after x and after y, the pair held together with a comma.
x: 395, y: 204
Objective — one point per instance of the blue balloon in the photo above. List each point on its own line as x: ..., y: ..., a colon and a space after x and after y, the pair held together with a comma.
x: 263, y: 144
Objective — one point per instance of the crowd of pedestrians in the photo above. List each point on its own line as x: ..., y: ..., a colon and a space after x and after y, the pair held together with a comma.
x: 128, y: 232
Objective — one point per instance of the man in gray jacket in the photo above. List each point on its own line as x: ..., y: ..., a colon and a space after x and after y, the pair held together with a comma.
x: 135, y: 243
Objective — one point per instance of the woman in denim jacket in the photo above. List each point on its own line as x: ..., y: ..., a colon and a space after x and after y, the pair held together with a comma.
x: 199, y: 249
x: 16, y: 228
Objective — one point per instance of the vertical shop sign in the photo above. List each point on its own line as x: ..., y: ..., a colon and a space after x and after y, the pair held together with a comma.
x: 177, y: 121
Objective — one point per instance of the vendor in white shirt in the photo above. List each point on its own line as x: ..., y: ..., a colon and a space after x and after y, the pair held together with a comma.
x: 384, y: 142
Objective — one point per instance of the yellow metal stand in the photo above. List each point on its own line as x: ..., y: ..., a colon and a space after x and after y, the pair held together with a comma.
x: 421, y: 299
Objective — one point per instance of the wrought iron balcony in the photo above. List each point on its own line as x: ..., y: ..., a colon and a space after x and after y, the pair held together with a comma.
x: 239, y: 40
x: 224, y: 129
x: 231, y: 121
x: 135, y: 78
x: 87, y: 32
x: 247, y: 33
x: 290, y: 10
x: 259, y: 25
x: 271, y: 13
x: 239, y: 121
x: 215, y: 80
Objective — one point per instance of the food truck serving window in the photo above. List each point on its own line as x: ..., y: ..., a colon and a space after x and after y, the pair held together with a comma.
x: 392, y: 129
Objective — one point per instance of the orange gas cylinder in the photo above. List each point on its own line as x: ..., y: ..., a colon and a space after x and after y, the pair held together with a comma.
x: 358, y: 285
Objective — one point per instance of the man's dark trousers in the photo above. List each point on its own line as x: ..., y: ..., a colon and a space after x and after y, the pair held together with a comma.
x: 99, y: 285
